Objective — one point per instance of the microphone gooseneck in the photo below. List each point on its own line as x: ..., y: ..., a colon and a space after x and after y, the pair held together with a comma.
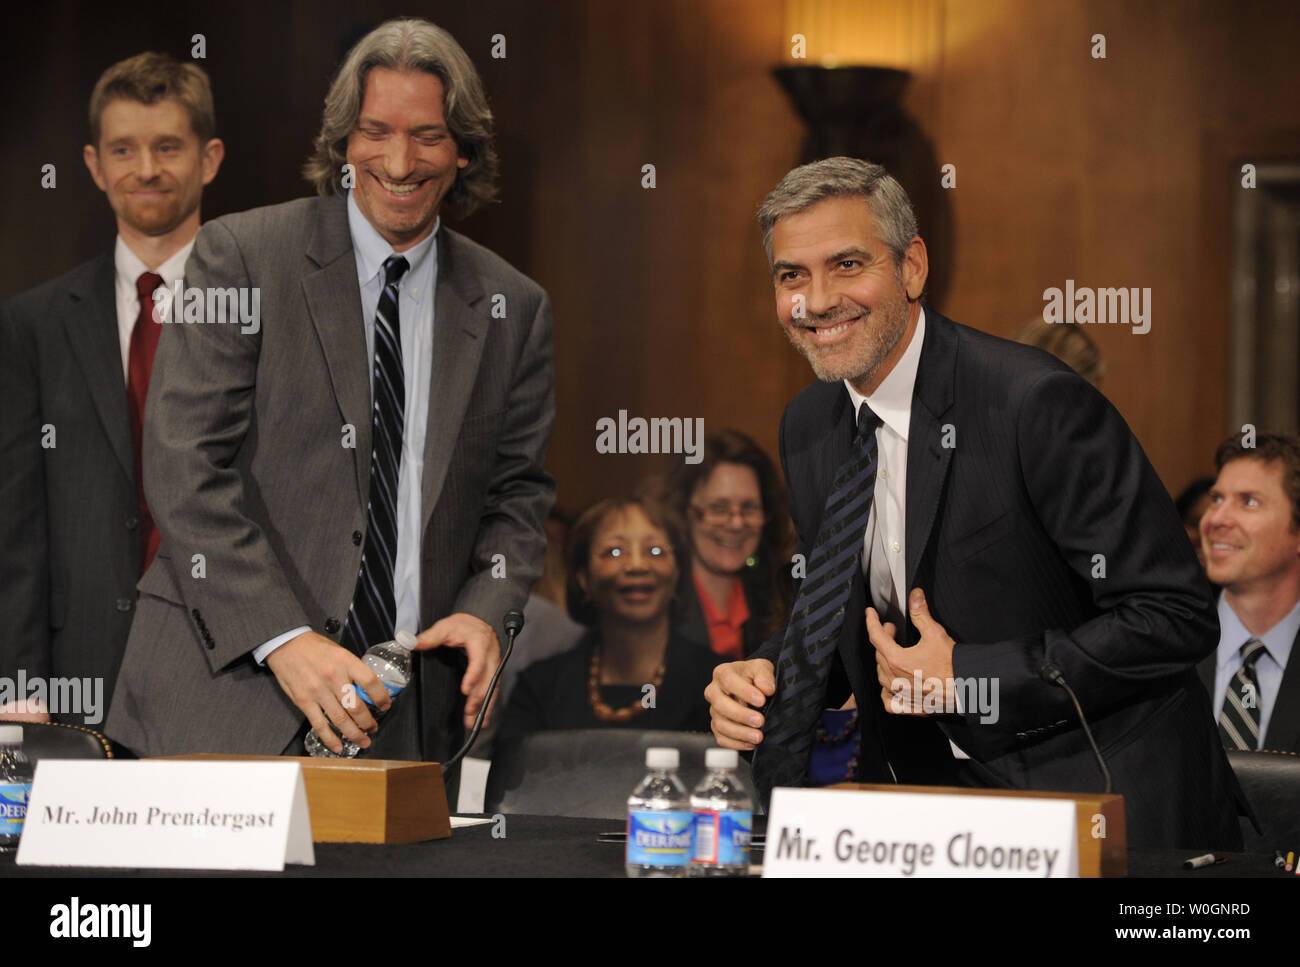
x: 513, y: 622
x: 1051, y: 673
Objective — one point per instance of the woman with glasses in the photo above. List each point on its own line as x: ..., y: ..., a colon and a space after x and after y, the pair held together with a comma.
x: 739, y: 590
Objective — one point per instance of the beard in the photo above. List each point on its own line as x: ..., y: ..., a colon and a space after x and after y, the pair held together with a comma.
x: 878, y: 332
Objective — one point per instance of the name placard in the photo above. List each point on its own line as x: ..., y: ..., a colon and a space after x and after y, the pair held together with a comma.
x: 167, y: 815
x: 822, y: 832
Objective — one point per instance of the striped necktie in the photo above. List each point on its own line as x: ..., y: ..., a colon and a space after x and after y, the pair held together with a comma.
x: 373, y: 613
x: 1239, y: 720
x: 803, y: 666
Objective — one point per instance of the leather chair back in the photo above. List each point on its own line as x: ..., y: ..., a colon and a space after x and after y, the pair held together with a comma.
x: 587, y: 772
x: 1271, y: 783
x: 54, y: 740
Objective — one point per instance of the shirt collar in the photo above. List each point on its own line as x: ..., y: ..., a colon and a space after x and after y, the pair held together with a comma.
x: 372, y: 249
x: 1233, y: 634
x: 130, y: 266
x: 892, y: 400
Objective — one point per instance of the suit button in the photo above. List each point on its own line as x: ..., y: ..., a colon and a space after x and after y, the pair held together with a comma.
x: 331, y: 626
x: 356, y: 538
x: 123, y: 604
x: 132, y: 523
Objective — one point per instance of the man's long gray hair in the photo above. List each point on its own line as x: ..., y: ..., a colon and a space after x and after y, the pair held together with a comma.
x: 411, y: 45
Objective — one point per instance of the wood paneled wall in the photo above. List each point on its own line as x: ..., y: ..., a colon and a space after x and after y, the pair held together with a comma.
x: 1111, y: 172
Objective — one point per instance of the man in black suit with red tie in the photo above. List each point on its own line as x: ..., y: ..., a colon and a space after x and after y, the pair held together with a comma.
x: 76, y: 354
x: 968, y: 510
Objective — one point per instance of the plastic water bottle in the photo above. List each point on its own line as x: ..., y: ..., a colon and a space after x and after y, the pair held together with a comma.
x: 391, y: 661
x: 659, y: 819
x: 15, y: 786
x: 723, y: 817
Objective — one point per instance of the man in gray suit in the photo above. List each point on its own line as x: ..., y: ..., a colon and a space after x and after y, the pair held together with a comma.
x: 75, y: 358
x: 349, y: 443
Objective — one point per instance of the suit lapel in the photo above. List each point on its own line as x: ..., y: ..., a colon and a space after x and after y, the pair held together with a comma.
x: 927, y: 459
x: 334, y: 302
x: 1206, y: 670
x: 459, y: 332
x: 91, y: 327
x: 1284, y: 724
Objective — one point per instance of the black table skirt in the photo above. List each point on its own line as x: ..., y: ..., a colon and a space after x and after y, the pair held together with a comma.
x: 557, y: 846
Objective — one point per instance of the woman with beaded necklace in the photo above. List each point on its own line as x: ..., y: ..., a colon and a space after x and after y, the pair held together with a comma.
x: 629, y: 670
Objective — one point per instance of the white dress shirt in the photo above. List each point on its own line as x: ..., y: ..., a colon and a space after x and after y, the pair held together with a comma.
x: 884, y: 561
x: 129, y: 269
x: 884, y: 546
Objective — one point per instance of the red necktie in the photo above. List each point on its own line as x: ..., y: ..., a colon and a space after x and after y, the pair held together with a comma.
x: 144, y: 341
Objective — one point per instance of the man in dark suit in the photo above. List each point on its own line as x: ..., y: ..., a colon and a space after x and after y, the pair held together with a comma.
x: 364, y: 455
x: 1250, y: 536
x: 985, y: 510
x: 75, y: 359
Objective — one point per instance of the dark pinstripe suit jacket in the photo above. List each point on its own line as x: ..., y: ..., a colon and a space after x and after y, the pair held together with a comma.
x: 70, y: 549
x: 1005, y: 530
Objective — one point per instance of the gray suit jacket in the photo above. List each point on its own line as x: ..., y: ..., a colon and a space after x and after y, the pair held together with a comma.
x: 262, y: 506
x: 70, y: 549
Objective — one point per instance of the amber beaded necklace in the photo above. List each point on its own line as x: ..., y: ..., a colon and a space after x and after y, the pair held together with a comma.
x: 601, y: 710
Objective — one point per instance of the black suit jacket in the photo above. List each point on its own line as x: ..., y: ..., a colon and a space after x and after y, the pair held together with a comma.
x: 553, y: 693
x: 689, y: 623
x: 1038, y: 529
x: 70, y: 550
x: 1283, y: 733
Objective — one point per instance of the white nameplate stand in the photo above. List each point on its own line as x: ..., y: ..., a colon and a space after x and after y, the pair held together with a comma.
x: 841, y: 833
x: 167, y: 815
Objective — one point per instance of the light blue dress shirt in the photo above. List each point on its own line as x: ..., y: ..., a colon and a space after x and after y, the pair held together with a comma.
x: 1268, y: 667
x: 416, y: 311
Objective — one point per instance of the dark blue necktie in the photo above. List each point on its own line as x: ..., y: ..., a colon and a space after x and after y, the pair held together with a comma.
x: 373, y: 612
x: 804, y: 664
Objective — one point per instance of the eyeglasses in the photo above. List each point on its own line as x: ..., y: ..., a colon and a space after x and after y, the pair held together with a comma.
x: 721, y: 511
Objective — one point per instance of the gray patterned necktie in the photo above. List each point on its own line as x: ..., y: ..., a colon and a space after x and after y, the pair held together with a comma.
x: 1239, y: 720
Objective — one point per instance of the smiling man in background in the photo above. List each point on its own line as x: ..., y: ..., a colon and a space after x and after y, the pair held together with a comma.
x: 1251, y: 539
x: 367, y: 458
x: 75, y: 359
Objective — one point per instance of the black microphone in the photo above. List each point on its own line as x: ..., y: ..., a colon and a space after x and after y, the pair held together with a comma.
x: 513, y: 622
x: 1051, y: 673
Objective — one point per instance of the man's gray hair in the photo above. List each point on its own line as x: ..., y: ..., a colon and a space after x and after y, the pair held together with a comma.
x: 411, y: 45
x: 841, y: 177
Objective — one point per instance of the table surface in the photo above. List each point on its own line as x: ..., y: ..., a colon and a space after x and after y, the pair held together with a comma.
x: 558, y: 846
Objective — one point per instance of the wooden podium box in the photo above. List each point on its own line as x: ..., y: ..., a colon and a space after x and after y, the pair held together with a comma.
x: 366, y: 800
x: 1098, y: 855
